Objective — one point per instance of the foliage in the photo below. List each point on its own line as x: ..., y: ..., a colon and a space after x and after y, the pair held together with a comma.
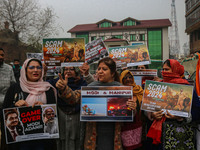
x: 28, y: 19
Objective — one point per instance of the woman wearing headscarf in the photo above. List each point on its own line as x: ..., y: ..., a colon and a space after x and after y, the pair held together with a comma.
x: 69, y: 111
x: 172, y: 73
x: 30, y: 91
x: 133, y: 130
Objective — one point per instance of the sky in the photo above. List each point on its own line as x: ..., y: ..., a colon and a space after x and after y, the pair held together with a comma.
x: 72, y: 12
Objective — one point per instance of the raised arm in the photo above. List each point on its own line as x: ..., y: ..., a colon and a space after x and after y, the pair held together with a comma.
x: 66, y: 93
x: 86, y: 74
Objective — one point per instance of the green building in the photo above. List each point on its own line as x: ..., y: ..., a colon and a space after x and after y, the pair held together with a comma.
x: 130, y: 32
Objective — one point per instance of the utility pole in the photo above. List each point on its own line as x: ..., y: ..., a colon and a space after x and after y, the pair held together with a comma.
x: 174, y: 36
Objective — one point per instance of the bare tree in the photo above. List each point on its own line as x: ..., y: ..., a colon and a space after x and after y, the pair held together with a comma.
x: 27, y: 18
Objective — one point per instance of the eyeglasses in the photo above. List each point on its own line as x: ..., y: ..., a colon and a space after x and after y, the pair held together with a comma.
x: 69, y: 69
x: 33, y: 67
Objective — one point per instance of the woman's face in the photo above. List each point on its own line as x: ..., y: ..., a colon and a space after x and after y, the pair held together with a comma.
x: 167, y: 68
x: 141, y: 67
x: 70, y: 72
x: 104, y: 73
x: 128, y: 80
x: 34, y: 71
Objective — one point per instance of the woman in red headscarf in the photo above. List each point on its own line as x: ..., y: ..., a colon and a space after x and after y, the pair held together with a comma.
x: 172, y: 73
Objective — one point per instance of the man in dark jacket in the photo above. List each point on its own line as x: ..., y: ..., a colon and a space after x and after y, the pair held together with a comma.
x: 13, y: 127
x: 16, y: 69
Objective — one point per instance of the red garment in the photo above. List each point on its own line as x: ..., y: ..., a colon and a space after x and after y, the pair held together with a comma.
x: 170, y: 77
x: 176, y: 67
x: 155, y: 130
x: 198, y: 76
x: 175, y: 75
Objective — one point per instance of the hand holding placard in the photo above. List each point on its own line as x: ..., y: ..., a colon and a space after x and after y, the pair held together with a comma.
x: 170, y: 116
x: 37, y: 103
x: 131, y: 103
x: 157, y: 115
x: 20, y: 103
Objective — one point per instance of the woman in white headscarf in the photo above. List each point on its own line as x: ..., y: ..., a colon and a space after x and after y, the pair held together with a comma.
x: 30, y: 91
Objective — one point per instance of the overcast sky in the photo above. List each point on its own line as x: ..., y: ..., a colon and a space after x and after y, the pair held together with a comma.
x: 73, y: 12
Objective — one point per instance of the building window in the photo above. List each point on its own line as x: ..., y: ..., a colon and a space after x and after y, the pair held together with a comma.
x: 118, y: 36
x: 195, y: 35
x: 83, y: 35
x: 93, y: 38
x: 142, y: 37
x: 193, y: 18
x: 198, y: 34
x: 105, y: 24
x: 129, y: 23
x: 155, y: 46
x: 191, y: 37
x: 133, y: 37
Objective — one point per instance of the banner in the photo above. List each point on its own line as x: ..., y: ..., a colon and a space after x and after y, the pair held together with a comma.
x: 38, y: 56
x: 30, y: 123
x: 106, y: 104
x: 53, y: 71
x: 95, y: 51
x: 140, y: 76
x: 175, y: 98
x: 64, y: 52
x: 131, y: 55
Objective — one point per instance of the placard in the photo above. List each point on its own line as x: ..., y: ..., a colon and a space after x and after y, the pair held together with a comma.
x: 95, y: 51
x: 64, y: 51
x: 38, y: 56
x: 131, y: 55
x: 175, y: 98
x: 30, y: 123
x: 106, y: 103
x: 140, y: 76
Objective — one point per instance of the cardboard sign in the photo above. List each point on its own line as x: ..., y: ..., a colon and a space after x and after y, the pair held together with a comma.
x: 140, y: 76
x: 131, y: 55
x: 27, y: 123
x: 106, y: 104
x: 95, y: 51
x: 64, y: 52
x: 38, y: 56
x: 175, y: 98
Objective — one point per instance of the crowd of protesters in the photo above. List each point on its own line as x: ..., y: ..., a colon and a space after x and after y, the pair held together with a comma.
x: 144, y: 133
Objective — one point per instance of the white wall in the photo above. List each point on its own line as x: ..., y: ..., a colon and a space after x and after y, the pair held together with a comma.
x: 165, y: 41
